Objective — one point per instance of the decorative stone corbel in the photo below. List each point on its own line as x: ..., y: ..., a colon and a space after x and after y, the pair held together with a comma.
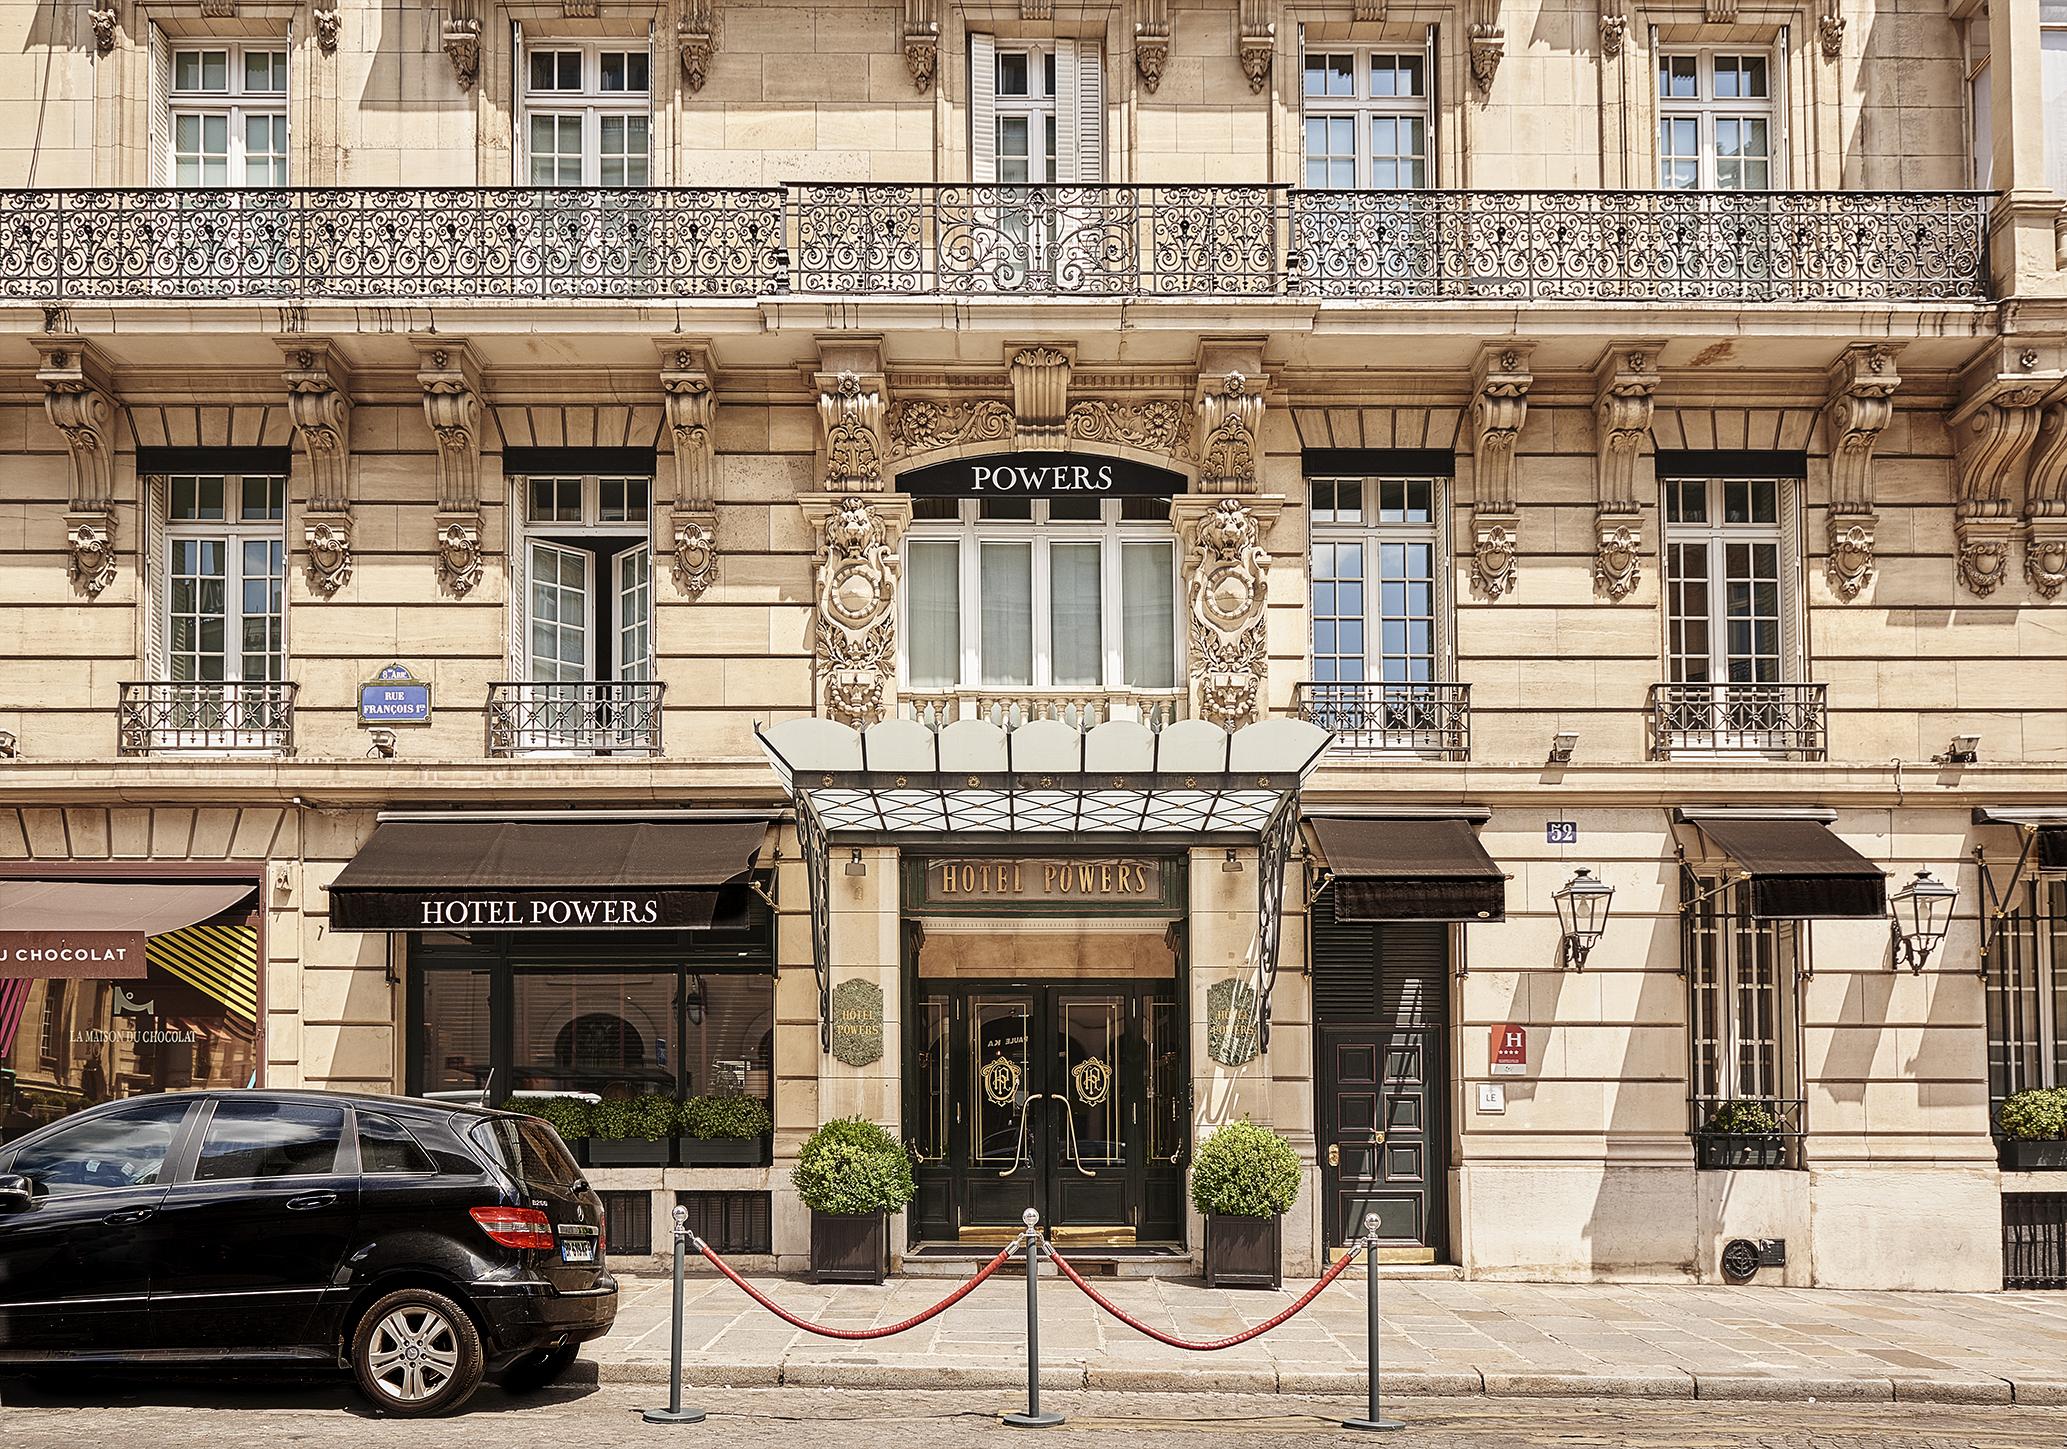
x: 856, y: 629
x: 1499, y: 402
x: 327, y: 23
x: 692, y: 406
x: 319, y: 402
x: 1371, y: 10
x: 1719, y: 12
x: 452, y: 406
x: 1151, y: 42
x: 1859, y: 402
x: 1258, y: 42
x: 1230, y: 411
x: 462, y: 41
x: 81, y: 406
x: 1830, y: 30
x: 1625, y: 384
x: 921, y: 43
x: 1225, y: 583
x: 850, y: 410
x: 1614, y: 27
x: 1488, y: 43
x: 103, y: 31
x: 1040, y: 395
x: 2045, y: 503
x: 1992, y: 432
x: 696, y: 39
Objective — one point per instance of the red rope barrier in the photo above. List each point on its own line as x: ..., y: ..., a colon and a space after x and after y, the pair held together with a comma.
x: 1219, y: 1343
x: 855, y: 1333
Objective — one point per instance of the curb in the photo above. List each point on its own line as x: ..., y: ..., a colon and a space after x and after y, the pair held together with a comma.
x: 1404, y: 1383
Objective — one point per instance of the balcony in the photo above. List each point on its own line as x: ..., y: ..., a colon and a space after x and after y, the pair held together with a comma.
x: 1738, y: 1133
x: 205, y: 717
x: 525, y: 244
x: 1432, y: 721
x: 1080, y: 709
x: 588, y: 717
x: 1750, y: 721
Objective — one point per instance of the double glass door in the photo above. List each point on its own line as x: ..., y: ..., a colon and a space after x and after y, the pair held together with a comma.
x: 1067, y: 1099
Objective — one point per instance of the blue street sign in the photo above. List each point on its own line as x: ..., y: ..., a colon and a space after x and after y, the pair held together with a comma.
x: 395, y: 697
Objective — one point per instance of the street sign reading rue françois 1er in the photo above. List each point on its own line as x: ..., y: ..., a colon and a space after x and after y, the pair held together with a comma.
x: 395, y: 697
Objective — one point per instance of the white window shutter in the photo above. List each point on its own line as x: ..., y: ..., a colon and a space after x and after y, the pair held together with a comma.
x: 520, y: 154
x: 151, y: 495
x: 1794, y: 592
x: 1081, y: 106
x: 519, y: 582
x: 1782, y: 101
x: 158, y: 129
x: 983, y: 108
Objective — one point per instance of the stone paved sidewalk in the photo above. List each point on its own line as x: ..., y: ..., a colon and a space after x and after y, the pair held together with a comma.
x: 1438, y: 1338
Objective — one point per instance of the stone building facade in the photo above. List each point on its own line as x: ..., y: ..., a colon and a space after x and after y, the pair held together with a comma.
x: 1630, y: 434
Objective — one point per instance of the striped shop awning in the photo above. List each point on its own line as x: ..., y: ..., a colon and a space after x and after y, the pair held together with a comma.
x: 221, y: 962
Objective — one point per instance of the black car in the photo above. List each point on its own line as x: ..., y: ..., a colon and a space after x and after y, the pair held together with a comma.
x: 421, y: 1244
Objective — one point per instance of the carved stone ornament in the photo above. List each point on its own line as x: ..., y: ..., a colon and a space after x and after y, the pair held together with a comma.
x: 853, y: 417
x: 462, y: 39
x: 1228, y: 419
x: 1618, y: 554
x: 2045, y: 555
x: 2045, y: 503
x: 691, y: 406
x: 1849, y: 564
x: 1614, y: 29
x: 922, y: 425
x: 452, y: 407
x: 1499, y: 405
x: 1719, y: 12
x: 694, y: 544
x: 1488, y: 45
x: 90, y: 548
x: 459, y: 552
x: 1860, y: 404
x: 1493, y: 538
x: 1983, y: 557
x: 1256, y: 53
x: 858, y: 575
x: 1151, y: 56
x: 103, y: 31
x: 1226, y: 570
x: 319, y: 405
x: 327, y: 22
x: 1830, y: 31
x: 1040, y: 397
x: 1159, y: 425
x: 328, y: 537
x: 696, y: 40
x: 1992, y: 434
x: 921, y: 43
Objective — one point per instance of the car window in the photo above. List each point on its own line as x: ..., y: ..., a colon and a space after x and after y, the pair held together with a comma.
x: 121, y: 1149
x: 386, y: 1146
x: 529, y: 1149
x: 247, y: 1139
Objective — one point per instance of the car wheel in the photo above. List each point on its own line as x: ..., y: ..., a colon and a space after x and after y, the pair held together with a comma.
x: 415, y: 1353
x: 535, y: 1371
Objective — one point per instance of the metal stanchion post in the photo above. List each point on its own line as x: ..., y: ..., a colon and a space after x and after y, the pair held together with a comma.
x: 674, y: 1413
x: 1033, y: 1418
x: 1373, y: 1419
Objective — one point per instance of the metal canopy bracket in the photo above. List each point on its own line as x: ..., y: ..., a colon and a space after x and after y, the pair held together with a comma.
x: 812, y: 845
x: 1273, y: 856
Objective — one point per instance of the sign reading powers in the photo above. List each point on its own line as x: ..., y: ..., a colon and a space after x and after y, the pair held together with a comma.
x: 1041, y: 475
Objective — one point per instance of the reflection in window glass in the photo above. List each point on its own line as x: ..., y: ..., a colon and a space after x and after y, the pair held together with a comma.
x: 258, y: 1139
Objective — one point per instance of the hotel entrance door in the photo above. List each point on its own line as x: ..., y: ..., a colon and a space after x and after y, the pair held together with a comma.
x: 1065, y: 1098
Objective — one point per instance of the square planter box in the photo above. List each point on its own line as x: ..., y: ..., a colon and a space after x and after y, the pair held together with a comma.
x: 723, y: 1151
x: 629, y: 1152
x: 2034, y: 1157
x: 1243, y: 1252
x: 849, y: 1248
x: 1731, y: 1151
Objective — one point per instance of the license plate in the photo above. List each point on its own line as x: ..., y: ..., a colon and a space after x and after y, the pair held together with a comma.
x: 577, y: 1250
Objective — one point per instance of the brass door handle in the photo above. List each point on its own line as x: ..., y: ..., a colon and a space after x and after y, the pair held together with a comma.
x: 1334, y: 1154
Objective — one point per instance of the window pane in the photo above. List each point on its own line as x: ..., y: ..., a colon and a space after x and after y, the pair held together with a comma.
x: 595, y: 1030
x: 934, y: 660
x: 265, y: 71
x: 247, y: 1139
x: 1014, y: 72
x: 124, y: 1150
x: 1006, y: 585
x: 1148, y: 615
x: 385, y: 1146
x: 455, y: 1050
x: 728, y: 1046
x: 1075, y: 614
x: 1330, y: 75
x: 1678, y: 77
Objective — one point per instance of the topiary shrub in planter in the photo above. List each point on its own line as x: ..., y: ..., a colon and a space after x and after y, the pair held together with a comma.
x: 1741, y: 1133
x: 724, y: 1131
x: 632, y: 1131
x: 569, y: 1116
x: 1243, y: 1178
x: 2034, y: 1130
x: 852, y: 1174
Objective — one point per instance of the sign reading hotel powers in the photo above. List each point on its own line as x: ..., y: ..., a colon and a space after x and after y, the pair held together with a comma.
x: 1038, y: 879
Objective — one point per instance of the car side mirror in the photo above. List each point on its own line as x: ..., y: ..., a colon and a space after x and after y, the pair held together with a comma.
x: 16, y: 1192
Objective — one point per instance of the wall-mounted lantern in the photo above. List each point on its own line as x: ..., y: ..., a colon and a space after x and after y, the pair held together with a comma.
x: 1582, y: 915
x: 1921, y: 911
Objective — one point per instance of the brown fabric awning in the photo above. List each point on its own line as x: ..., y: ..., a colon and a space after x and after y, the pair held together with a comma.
x: 147, y: 907
x: 1798, y: 869
x: 1430, y: 869
x: 625, y: 875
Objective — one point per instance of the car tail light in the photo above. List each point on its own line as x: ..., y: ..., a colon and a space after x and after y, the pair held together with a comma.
x: 515, y: 1227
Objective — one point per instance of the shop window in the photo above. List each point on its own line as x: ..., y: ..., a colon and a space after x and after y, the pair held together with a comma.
x: 453, y: 1032
x: 1743, y: 1026
x: 1041, y: 595
x: 586, y: 114
x: 2027, y: 992
x: 1716, y: 121
x: 228, y: 115
x: 1366, y: 120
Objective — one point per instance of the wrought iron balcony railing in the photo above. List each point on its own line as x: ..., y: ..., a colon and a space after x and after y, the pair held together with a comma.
x: 589, y: 717
x: 1009, y: 708
x: 1431, y: 720
x: 1760, y: 721
x: 209, y: 717
x: 873, y: 239
x: 1737, y: 1133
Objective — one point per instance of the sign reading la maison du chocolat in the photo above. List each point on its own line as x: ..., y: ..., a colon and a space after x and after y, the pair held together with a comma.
x: 1041, y: 475
x: 972, y: 880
